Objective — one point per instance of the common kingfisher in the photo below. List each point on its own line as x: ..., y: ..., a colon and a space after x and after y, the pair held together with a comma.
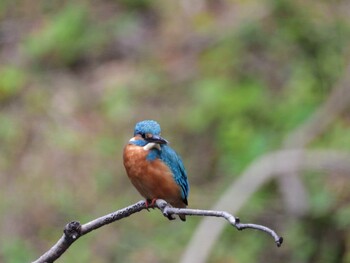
x: 154, y: 168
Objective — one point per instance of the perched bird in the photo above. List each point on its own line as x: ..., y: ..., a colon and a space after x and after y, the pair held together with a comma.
x: 154, y: 168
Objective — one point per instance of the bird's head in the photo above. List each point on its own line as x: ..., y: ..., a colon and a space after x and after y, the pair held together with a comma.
x: 149, y: 132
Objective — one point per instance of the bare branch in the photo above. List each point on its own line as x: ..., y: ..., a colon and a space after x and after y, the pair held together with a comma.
x: 169, y: 210
x: 74, y: 230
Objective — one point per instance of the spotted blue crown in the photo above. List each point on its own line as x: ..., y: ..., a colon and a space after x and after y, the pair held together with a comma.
x: 147, y: 126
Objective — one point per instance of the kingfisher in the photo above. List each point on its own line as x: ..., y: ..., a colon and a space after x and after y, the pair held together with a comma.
x: 154, y: 168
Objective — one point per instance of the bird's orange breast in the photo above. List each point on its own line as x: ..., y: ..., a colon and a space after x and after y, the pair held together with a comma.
x: 153, y: 179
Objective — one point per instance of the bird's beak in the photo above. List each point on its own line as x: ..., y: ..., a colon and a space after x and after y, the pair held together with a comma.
x: 157, y: 139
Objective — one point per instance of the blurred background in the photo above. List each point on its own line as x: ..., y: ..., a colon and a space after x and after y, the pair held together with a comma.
x: 230, y: 82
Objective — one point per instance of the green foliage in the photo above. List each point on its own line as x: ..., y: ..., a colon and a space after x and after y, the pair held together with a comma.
x: 138, y: 5
x: 342, y: 217
x: 12, y: 81
x: 225, y: 252
x: 15, y: 250
x: 337, y: 137
x: 67, y: 38
x: 9, y: 129
x: 321, y: 198
x: 301, y: 242
x: 116, y: 102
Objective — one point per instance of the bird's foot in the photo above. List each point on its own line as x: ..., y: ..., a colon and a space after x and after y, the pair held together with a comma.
x: 150, y: 203
x: 153, y: 203
x: 147, y: 204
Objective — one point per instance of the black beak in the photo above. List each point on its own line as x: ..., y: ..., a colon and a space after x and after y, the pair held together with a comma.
x: 157, y: 139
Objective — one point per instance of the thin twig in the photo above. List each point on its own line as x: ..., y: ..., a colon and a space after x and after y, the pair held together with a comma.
x: 168, y: 210
x: 74, y: 230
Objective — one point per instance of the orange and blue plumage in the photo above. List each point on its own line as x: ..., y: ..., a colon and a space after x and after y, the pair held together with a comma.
x: 154, y: 168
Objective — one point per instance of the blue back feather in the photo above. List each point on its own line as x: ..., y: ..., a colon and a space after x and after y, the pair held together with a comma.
x: 173, y: 160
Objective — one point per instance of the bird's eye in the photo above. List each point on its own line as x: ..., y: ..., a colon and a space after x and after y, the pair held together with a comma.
x: 148, y: 135
x: 143, y: 135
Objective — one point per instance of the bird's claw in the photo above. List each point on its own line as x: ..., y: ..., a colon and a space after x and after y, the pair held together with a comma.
x: 150, y: 203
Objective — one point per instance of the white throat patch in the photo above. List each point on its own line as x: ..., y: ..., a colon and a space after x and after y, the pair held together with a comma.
x: 151, y: 145
x: 148, y: 146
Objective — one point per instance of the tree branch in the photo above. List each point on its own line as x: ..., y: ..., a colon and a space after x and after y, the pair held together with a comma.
x: 74, y: 230
x: 169, y: 210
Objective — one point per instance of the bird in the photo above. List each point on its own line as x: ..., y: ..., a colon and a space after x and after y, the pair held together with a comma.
x: 154, y: 168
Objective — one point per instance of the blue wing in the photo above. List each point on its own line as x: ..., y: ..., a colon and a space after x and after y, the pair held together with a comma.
x: 170, y: 157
